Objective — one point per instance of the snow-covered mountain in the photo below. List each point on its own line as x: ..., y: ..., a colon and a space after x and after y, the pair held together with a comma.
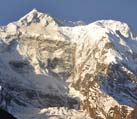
x: 49, y: 70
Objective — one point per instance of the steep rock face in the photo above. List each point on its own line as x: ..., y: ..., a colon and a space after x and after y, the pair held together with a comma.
x: 105, y: 68
x: 50, y: 70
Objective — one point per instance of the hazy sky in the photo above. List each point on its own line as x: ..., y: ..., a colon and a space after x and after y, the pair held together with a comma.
x: 86, y: 10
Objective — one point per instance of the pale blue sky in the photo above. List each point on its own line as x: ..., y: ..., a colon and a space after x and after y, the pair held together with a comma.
x: 86, y: 10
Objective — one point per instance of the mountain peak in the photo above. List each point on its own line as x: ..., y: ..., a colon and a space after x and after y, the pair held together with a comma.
x: 35, y: 16
x: 31, y: 13
x: 115, y: 26
x: 34, y: 11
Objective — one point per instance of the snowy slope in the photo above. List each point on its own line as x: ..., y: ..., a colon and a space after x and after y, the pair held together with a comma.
x: 49, y: 70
